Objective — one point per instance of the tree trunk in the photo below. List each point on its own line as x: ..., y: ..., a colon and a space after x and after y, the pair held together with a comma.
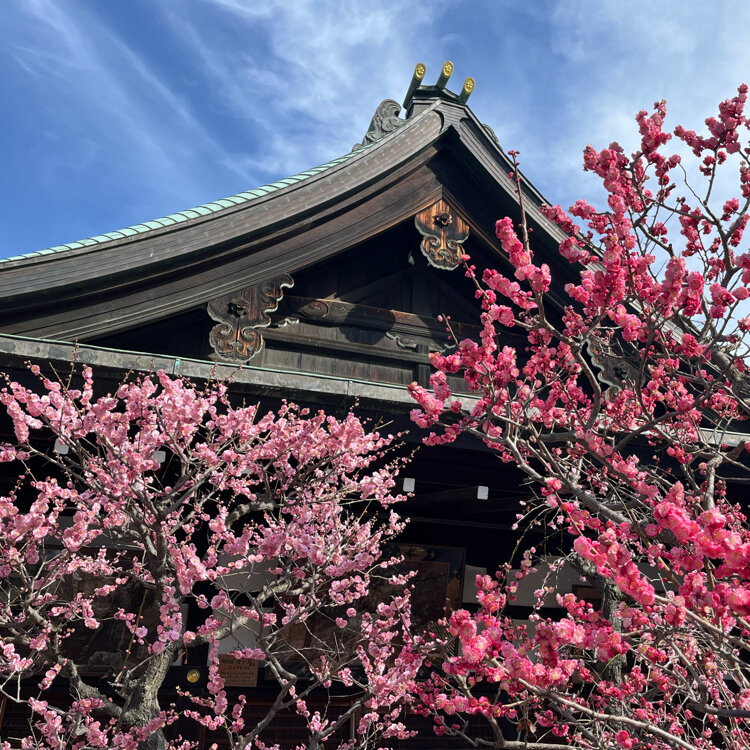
x: 145, y: 708
x: 143, y: 702
x: 611, y: 597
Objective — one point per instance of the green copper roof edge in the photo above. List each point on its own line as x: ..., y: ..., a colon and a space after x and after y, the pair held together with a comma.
x: 180, y: 217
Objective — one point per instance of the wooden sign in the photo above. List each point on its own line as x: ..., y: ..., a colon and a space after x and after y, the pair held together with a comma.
x: 238, y: 672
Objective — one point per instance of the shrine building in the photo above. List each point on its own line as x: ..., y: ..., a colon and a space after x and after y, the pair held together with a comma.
x: 328, y: 288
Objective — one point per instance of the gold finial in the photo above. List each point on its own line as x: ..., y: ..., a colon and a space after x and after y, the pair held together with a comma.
x: 466, y: 90
x: 445, y: 74
x: 416, y: 79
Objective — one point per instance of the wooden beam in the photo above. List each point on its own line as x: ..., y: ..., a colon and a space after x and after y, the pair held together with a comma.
x: 337, y: 313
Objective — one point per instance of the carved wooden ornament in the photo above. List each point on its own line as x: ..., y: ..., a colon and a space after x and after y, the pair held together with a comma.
x: 383, y: 123
x: 444, y: 232
x: 238, y: 314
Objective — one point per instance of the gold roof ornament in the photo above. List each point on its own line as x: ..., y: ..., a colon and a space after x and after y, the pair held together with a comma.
x: 466, y: 90
x: 440, y: 86
x: 419, y: 73
x: 445, y: 74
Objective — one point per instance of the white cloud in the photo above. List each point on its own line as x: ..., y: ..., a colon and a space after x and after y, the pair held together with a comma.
x: 247, y: 91
x: 606, y: 61
x: 327, y: 66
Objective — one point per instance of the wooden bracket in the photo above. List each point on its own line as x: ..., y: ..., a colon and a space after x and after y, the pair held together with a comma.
x: 444, y: 231
x: 238, y: 314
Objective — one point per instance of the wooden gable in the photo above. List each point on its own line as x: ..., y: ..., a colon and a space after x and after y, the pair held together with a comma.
x: 343, y: 271
x: 370, y: 313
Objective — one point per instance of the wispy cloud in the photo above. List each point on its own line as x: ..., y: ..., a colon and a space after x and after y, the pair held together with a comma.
x: 605, y: 61
x: 106, y: 109
x: 316, y: 73
x: 126, y: 111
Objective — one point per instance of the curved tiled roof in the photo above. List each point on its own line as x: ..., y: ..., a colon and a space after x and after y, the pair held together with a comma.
x: 157, y: 269
x: 190, y: 213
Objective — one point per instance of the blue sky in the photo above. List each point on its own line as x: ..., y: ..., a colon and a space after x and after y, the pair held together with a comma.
x: 120, y: 111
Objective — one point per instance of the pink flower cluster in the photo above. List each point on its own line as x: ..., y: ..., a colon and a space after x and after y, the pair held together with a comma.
x: 626, y: 409
x: 239, y: 496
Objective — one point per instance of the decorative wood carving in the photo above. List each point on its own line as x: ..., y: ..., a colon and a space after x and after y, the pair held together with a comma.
x: 491, y: 133
x: 403, y: 342
x: 383, y: 123
x: 235, y: 339
x: 616, y: 374
x: 412, y: 344
x: 444, y: 232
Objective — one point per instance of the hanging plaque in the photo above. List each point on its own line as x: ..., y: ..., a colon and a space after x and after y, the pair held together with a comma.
x: 238, y: 672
